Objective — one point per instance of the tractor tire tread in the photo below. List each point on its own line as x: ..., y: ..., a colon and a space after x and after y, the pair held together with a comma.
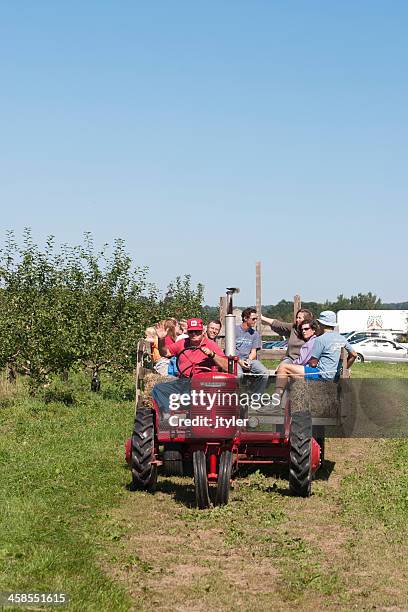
x: 200, y: 480
x: 173, y: 463
x: 300, y: 462
x: 224, y: 478
x: 144, y: 473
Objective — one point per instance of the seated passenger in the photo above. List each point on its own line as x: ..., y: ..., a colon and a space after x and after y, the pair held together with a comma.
x: 182, y: 329
x: 213, y: 329
x: 248, y: 342
x: 324, y: 356
x: 309, y: 330
x: 290, y: 331
x: 171, y: 327
x: 160, y: 364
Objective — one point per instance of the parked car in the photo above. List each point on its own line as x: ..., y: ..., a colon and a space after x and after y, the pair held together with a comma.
x: 359, y: 336
x: 380, y: 349
x: 275, y: 344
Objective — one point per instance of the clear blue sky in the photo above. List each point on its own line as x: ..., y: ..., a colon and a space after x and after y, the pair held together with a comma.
x: 210, y: 135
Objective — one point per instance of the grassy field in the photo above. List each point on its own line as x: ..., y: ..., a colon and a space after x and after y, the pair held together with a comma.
x: 69, y: 522
x: 61, y: 474
x: 375, y: 369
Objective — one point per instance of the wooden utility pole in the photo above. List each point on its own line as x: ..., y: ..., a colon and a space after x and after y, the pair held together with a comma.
x: 297, y: 305
x: 223, y: 312
x: 258, y: 297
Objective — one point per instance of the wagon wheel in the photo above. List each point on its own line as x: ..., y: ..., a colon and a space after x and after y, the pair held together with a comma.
x: 322, y: 443
x: 189, y: 366
x: 300, y: 460
x: 319, y: 436
x: 201, y: 480
x: 224, y: 478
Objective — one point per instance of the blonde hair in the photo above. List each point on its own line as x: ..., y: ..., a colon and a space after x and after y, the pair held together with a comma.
x: 150, y: 332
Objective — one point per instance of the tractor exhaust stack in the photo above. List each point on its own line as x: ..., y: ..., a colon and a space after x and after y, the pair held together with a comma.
x: 230, y: 349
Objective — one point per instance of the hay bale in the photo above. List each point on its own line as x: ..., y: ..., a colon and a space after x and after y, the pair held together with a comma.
x: 320, y: 397
x: 150, y: 379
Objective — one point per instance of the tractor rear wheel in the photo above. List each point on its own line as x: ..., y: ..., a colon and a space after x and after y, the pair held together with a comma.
x: 201, y: 480
x: 300, y: 461
x: 144, y: 472
x: 224, y: 478
x: 173, y: 463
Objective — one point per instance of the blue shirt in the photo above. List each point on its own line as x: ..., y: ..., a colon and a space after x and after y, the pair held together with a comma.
x: 327, y: 349
x: 245, y: 341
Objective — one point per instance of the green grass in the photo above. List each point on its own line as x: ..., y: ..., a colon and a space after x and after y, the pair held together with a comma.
x: 378, y: 369
x: 61, y: 472
x: 253, y: 531
x: 377, y: 492
x: 68, y: 523
x: 374, y: 369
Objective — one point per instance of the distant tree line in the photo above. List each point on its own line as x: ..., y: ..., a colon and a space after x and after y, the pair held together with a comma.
x: 395, y: 306
x: 362, y: 301
x: 75, y: 307
x: 283, y: 310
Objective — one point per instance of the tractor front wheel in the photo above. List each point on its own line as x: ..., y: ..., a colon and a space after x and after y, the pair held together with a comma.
x: 224, y: 478
x: 300, y: 462
x: 172, y: 462
x: 144, y: 472
x: 201, y: 480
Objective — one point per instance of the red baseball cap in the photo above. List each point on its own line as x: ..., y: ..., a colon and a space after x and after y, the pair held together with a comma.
x: 195, y: 325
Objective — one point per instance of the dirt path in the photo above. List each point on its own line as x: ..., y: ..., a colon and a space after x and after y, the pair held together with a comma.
x: 265, y: 550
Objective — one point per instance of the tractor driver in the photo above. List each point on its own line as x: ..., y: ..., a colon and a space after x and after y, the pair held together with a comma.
x: 206, y: 354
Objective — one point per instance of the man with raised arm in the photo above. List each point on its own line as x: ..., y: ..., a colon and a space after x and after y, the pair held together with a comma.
x: 205, y: 354
x: 196, y: 354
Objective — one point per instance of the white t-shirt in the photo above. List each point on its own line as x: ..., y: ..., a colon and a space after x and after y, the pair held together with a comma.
x: 181, y: 337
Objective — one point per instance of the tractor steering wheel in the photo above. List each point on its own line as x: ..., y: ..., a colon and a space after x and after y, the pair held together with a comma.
x: 191, y: 364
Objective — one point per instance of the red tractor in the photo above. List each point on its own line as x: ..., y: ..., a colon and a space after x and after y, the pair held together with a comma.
x: 219, y: 436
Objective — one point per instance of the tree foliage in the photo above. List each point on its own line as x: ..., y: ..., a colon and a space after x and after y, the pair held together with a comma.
x: 77, y: 307
x: 181, y: 300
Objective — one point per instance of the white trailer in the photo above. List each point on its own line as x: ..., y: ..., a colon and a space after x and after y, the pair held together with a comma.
x: 364, y: 320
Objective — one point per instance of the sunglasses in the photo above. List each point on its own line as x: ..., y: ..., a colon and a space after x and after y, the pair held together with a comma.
x: 195, y: 331
x: 305, y: 328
